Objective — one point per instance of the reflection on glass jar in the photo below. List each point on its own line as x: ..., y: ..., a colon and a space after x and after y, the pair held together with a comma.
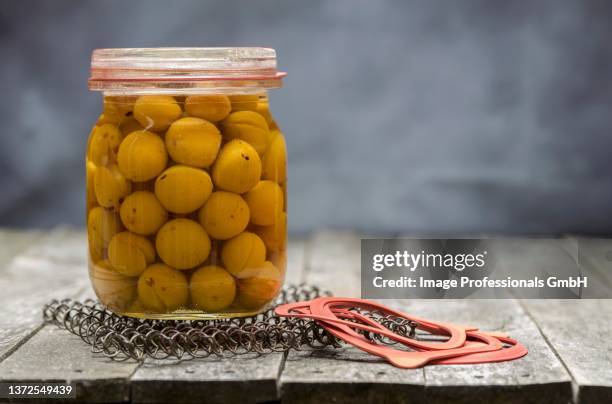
x: 186, y: 183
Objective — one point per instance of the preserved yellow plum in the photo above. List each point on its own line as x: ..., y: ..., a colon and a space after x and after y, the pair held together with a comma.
x: 212, y: 107
x: 183, y: 189
x: 259, y: 290
x: 104, y: 144
x: 263, y: 109
x: 110, y: 186
x: 275, y: 235
x: 182, y: 243
x: 142, y: 213
x: 274, y: 162
x: 102, y: 225
x: 156, y: 112
x: 142, y: 155
x: 117, y: 108
x: 186, y: 183
x: 114, y: 290
x: 224, y: 215
x: 162, y: 288
x: 238, y: 167
x: 129, y: 254
x: 193, y: 141
x: 243, y: 255
x: 248, y: 126
x: 265, y: 202
x: 126, y: 258
x: 90, y: 167
x: 212, y: 288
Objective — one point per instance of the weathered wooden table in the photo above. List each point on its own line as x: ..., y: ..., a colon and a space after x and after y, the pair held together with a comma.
x: 570, y: 341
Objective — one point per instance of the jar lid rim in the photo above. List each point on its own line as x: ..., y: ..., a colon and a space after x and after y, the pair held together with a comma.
x: 110, y: 66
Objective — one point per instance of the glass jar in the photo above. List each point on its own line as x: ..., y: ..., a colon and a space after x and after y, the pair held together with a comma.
x: 186, y: 183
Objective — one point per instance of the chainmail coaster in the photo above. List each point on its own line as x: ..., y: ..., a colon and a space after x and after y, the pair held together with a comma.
x: 122, y: 338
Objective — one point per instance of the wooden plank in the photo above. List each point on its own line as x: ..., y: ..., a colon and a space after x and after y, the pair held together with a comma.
x: 47, y: 269
x: 595, y: 254
x: 579, y: 331
x: 346, y: 374
x: 246, y: 379
x: 55, y: 355
x: 62, y: 246
x: 333, y: 263
x: 12, y: 242
x: 538, y: 377
x: 295, y: 261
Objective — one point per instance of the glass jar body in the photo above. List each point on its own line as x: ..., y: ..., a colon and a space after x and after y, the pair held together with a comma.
x: 186, y: 205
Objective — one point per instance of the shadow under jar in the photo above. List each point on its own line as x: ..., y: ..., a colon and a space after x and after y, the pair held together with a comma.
x: 186, y: 183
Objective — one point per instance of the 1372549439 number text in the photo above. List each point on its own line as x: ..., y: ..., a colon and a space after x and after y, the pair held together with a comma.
x: 37, y: 390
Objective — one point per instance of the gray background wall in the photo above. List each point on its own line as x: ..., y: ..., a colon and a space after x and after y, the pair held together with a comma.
x: 419, y: 116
